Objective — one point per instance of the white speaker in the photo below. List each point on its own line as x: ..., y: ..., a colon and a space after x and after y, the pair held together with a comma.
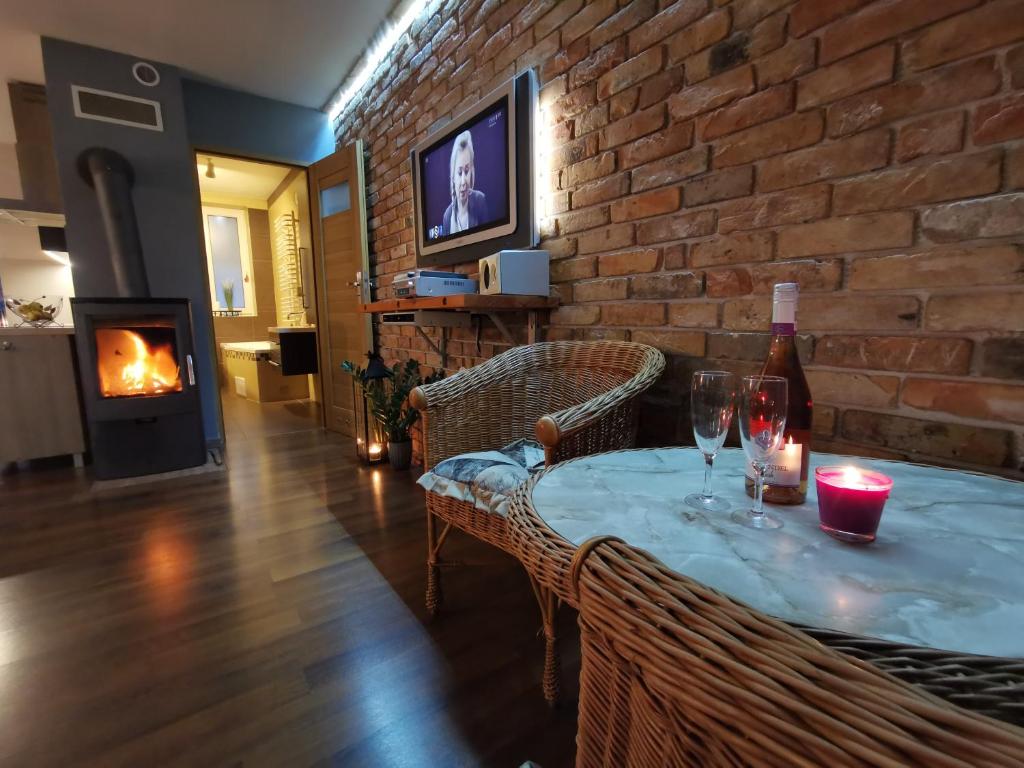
x: 515, y: 273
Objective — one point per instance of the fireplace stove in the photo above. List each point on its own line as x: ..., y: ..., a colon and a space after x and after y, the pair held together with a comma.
x: 138, y: 383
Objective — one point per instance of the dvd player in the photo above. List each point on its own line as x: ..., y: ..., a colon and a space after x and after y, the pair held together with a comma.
x: 427, y: 282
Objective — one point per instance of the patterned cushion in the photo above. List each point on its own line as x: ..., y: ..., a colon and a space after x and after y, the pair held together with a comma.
x: 486, y: 478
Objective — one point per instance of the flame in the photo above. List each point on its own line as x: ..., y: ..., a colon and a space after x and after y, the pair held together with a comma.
x: 128, y: 366
x: 852, y: 476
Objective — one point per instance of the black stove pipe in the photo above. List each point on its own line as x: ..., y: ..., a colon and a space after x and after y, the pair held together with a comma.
x: 112, y: 177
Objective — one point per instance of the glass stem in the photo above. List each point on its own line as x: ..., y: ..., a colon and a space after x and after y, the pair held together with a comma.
x: 709, y: 460
x: 758, y: 510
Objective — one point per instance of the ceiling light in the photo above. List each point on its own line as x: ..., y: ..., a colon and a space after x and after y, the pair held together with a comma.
x: 210, y: 173
x: 387, y: 36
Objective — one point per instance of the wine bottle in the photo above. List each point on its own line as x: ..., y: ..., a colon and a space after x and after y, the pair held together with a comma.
x: 786, y: 476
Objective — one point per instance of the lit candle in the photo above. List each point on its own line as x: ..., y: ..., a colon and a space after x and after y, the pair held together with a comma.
x: 374, y: 450
x: 850, y: 502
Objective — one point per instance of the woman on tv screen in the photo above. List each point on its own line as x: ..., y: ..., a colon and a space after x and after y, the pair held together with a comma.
x: 468, y: 208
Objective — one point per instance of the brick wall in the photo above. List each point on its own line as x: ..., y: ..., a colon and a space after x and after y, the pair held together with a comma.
x: 703, y: 150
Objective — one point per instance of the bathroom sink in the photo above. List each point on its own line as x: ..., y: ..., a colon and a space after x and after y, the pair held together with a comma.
x: 293, y: 329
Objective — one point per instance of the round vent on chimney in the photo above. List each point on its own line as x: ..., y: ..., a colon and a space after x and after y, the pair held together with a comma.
x: 146, y: 73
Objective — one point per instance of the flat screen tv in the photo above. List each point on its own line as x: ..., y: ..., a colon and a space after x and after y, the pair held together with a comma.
x: 473, y: 179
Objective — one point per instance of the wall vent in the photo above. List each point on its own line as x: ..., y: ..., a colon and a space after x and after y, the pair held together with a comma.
x: 117, y: 108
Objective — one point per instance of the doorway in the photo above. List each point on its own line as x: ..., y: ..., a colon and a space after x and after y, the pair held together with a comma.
x: 258, y: 244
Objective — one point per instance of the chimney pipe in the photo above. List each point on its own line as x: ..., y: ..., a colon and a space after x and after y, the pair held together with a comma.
x: 111, y: 176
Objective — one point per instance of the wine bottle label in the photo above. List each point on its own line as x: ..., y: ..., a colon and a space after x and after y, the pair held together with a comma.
x: 783, y: 329
x: 783, y: 470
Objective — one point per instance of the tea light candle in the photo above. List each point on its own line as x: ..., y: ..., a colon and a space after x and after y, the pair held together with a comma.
x: 850, y: 502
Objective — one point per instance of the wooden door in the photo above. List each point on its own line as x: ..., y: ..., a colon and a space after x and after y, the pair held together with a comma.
x: 338, y: 206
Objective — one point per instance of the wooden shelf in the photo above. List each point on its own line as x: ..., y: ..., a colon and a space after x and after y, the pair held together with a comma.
x: 466, y: 302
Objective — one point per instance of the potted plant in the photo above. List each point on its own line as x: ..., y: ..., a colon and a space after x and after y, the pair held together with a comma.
x: 388, y: 398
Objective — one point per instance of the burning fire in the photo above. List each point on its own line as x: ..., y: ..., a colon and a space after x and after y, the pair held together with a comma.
x: 128, y: 366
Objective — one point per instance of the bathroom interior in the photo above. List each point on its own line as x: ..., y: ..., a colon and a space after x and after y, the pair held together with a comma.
x: 259, y: 259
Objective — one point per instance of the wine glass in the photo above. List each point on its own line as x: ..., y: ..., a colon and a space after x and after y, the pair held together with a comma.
x: 712, y: 394
x: 762, y: 415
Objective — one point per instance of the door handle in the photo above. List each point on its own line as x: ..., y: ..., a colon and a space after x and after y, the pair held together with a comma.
x: 191, y: 371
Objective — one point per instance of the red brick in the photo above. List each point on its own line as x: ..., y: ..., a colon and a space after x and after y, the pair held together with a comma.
x: 609, y: 289
x: 590, y: 169
x: 846, y: 157
x: 992, y: 25
x: 870, y: 232
x: 955, y: 442
x: 496, y: 43
x: 715, y: 92
x: 606, y: 239
x: 976, y: 312
x: 557, y: 16
x: 574, y: 151
x: 770, y: 210
x: 895, y: 353
x: 948, y: 179
x: 808, y: 15
x: 999, y: 216
x: 629, y: 73
x: 850, y: 388
x: 626, y: 19
x: 846, y: 77
x: 968, y: 399
x: 573, y: 103
x: 592, y: 14
x: 691, y: 314
x: 722, y: 283
x: 1003, y: 358
x: 647, y: 204
x: 670, y: 170
x: 749, y: 111
x: 696, y: 37
x: 834, y: 312
x: 1000, y: 120
x: 628, y: 262
x: 934, y: 90
x: 670, y: 141
x: 793, y: 60
x: 679, y: 227
x: 564, y: 59
x: 774, y: 138
x: 592, y: 120
x: 601, y: 191
x: 1015, y: 168
x: 580, y: 268
x: 633, y: 127
x: 597, y: 63
x: 633, y: 314
x: 531, y: 14
x: 677, y: 16
x: 882, y: 21
x: 658, y: 88
x: 666, y: 285
x: 733, y: 249
x: 931, y: 135
x: 687, y: 343
x: 747, y: 314
x: 940, y: 268
x: 674, y: 256
x: 751, y: 11
x: 1015, y: 65
x: 813, y: 275
x: 720, y: 185
x: 622, y: 104
x: 573, y: 314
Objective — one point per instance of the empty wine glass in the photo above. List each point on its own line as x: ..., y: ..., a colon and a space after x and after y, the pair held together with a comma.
x: 712, y: 394
x: 762, y: 414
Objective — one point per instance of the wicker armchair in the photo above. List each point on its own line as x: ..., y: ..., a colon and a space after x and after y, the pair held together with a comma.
x: 675, y: 673
x: 576, y: 397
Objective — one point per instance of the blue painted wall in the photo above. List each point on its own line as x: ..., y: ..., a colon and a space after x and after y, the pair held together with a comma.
x: 166, y: 191
x: 233, y: 122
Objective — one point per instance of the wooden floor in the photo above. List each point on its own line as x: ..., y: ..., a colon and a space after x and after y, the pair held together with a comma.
x: 271, y: 615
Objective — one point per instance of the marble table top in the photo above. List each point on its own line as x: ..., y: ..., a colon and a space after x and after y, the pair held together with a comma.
x: 946, y: 571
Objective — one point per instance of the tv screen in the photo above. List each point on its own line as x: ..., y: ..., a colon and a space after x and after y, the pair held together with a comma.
x: 464, y: 183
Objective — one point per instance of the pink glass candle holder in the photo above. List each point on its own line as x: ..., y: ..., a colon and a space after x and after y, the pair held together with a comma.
x: 850, y: 502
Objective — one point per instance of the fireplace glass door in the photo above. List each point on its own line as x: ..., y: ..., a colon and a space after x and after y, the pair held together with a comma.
x: 137, y: 357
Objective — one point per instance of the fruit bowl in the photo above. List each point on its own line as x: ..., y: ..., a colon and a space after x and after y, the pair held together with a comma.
x: 37, y: 313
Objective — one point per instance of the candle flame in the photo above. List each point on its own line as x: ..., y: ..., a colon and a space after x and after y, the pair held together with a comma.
x: 852, y: 476
x: 790, y: 439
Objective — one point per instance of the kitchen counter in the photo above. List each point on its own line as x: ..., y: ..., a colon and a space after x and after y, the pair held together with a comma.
x: 27, y: 330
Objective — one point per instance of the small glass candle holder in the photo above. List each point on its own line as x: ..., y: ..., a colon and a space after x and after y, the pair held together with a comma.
x: 850, y: 502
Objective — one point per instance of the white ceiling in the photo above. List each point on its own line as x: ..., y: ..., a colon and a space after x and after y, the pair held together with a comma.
x: 239, y: 178
x: 293, y: 51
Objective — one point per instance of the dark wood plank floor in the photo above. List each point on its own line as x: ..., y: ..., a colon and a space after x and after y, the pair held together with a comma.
x: 270, y: 615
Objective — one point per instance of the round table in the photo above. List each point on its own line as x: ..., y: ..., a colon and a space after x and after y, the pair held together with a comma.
x: 945, y: 577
